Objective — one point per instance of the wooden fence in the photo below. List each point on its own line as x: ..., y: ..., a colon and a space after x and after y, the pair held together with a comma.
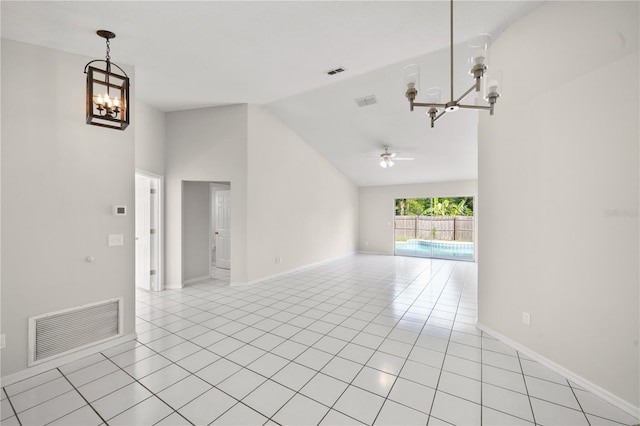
x: 444, y: 228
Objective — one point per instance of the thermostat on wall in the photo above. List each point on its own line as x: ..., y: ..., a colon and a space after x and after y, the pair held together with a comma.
x: 119, y: 210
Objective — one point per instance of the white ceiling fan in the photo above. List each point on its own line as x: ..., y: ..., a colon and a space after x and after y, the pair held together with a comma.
x: 387, y: 158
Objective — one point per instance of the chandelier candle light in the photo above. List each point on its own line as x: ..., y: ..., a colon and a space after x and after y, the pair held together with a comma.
x: 478, y: 70
x: 107, y: 92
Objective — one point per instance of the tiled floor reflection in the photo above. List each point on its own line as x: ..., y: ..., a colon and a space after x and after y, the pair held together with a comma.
x: 362, y: 340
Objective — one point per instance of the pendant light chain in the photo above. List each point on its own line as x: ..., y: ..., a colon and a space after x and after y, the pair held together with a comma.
x: 108, y: 57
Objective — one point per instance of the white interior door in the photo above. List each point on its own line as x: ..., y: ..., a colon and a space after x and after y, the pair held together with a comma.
x: 143, y: 232
x: 223, y: 230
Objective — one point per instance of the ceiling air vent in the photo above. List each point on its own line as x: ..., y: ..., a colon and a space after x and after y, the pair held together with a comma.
x: 336, y: 71
x: 367, y: 100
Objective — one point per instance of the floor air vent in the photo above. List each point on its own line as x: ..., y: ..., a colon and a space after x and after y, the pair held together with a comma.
x: 59, y: 333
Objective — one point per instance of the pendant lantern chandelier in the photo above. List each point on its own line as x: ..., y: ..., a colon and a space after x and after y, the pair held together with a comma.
x: 107, y: 92
x: 478, y: 70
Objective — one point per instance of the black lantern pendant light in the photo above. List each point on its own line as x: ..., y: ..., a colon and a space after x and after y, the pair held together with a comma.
x: 107, y: 92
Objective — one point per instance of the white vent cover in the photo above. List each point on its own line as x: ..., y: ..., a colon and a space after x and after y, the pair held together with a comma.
x: 59, y: 333
x: 367, y: 100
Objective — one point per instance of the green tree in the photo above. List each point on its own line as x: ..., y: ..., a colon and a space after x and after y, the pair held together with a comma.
x: 401, y: 205
x: 452, y: 206
x: 412, y: 206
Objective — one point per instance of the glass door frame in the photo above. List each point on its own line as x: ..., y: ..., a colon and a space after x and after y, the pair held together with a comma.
x: 427, y: 247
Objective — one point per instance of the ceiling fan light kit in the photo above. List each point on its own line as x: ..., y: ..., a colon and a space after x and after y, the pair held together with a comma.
x: 386, y: 163
x: 478, y: 68
x: 386, y: 158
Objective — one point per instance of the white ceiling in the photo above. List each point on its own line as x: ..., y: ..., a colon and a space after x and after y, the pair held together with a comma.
x: 207, y: 53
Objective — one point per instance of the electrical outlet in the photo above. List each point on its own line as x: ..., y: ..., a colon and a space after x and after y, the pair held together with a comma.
x: 526, y: 318
x: 3, y: 342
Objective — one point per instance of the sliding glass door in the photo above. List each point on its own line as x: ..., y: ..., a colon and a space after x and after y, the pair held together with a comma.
x: 439, y: 227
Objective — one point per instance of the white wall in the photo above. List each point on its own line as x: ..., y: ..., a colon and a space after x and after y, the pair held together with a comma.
x: 272, y: 173
x: 60, y: 179
x: 195, y: 230
x: 377, y: 209
x: 150, y: 138
x: 559, y: 183
x: 208, y: 144
x: 300, y: 207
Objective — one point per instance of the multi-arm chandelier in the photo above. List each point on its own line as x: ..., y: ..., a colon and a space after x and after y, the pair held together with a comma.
x: 478, y: 69
x: 107, y: 92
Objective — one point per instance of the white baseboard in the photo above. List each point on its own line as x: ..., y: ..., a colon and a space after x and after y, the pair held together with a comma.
x: 58, y: 362
x: 196, y: 280
x: 380, y: 253
x: 289, y: 271
x: 568, y: 374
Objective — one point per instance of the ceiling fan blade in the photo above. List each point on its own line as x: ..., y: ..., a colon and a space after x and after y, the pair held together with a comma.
x: 403, y: 158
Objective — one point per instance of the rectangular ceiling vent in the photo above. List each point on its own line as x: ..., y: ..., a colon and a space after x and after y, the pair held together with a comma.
x: 367, y: 100
x: 59, y: 333
x: 336, y: 71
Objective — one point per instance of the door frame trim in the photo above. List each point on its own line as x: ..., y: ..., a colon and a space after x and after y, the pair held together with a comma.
x: 211, y: 228
x: 158, y: 205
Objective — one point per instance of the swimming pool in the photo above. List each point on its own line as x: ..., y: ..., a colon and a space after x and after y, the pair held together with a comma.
x: 445, y: 249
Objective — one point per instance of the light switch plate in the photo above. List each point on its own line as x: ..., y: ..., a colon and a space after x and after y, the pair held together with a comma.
x: 115, y: 240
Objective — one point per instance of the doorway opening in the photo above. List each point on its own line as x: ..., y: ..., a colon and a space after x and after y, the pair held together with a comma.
x: 206, y: 231
x: 435, y: 227
x: 148, y: 231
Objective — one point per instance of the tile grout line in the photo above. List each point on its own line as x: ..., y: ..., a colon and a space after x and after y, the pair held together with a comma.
x: 15, y: 413
x: 135, y: 380
x: 351, y: 382
x: 578, y: 401
x: 81, y: 396
x: 337, y: 356
x: 336, y: 306
x: 41, y: 402
x: 526, y: 388
x: 415, y: 342
x: 141, y: 384
x: 171, y: 362
x: 142, y: 344
x: 362, y: 368
x: 368, y: 359
x: 267, y: 378
x: 443, y: 361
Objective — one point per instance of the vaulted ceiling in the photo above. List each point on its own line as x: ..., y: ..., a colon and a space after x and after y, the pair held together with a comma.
x: 193, y: 54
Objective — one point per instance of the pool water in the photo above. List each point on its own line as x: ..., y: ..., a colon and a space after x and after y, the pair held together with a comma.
x: 444, y: 249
